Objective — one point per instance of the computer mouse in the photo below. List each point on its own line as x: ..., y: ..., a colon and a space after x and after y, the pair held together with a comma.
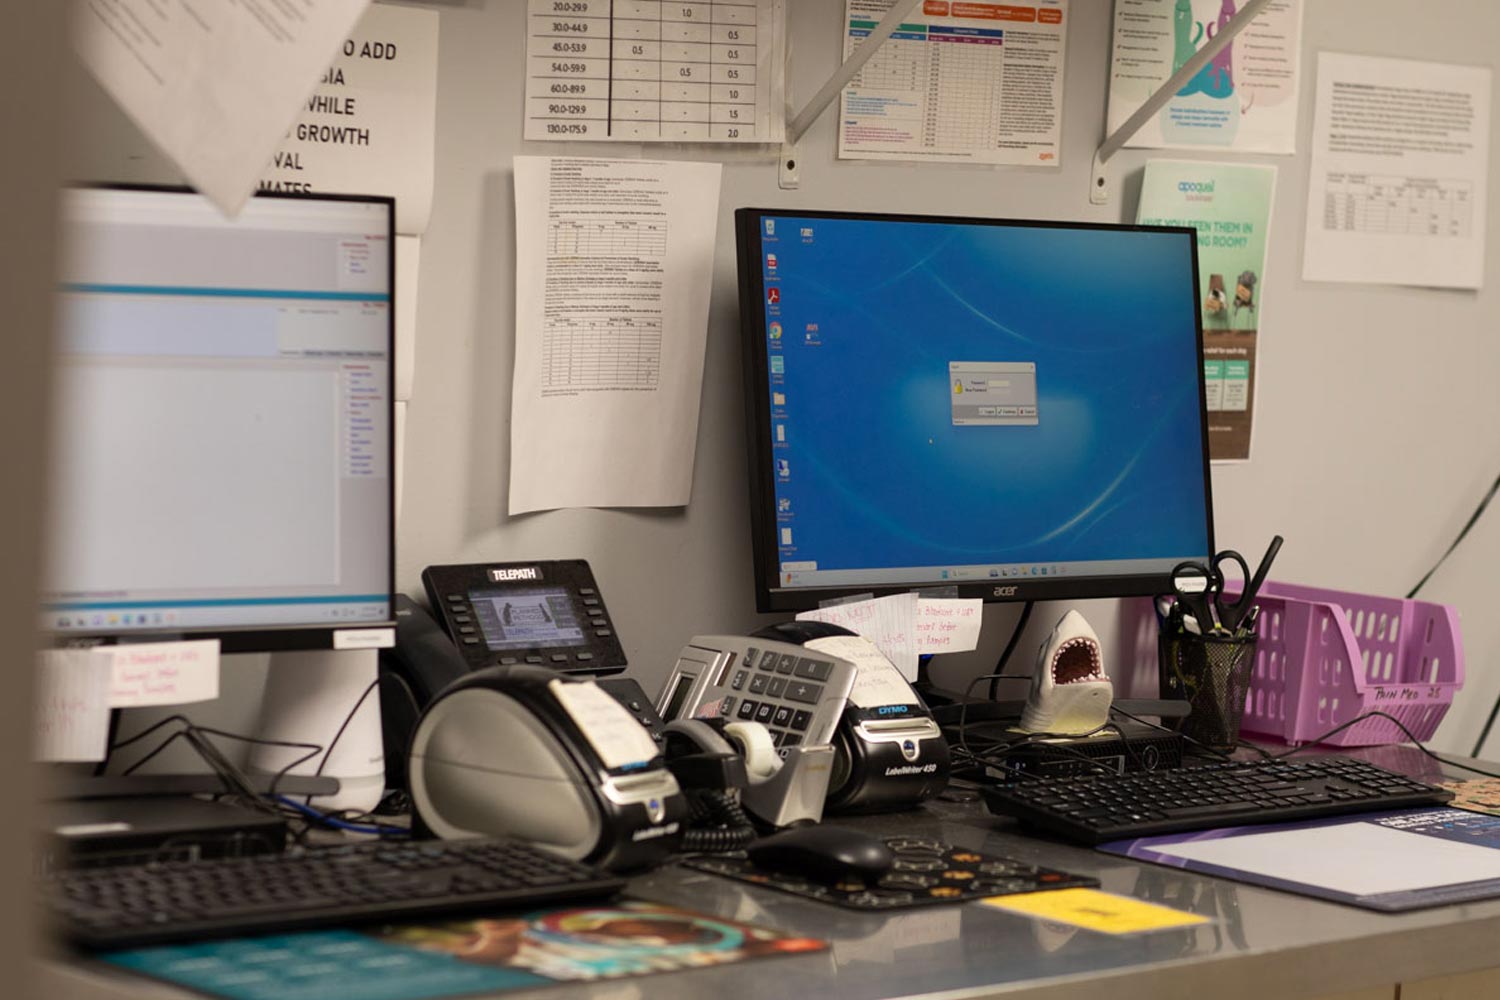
x: 827, y: 854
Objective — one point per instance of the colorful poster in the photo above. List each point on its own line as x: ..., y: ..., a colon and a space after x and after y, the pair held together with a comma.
x: 462, y: 957
x: 957, y: 82
x: 1230, y: 206
x: 1244, y: 100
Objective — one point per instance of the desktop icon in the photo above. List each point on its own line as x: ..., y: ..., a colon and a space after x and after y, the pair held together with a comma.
x: 778, y: 365
x: 807, y: 232
x: 770, y: 227
x: 786, y: 536
x: 781, y: 433
x: 778, y: 399
x: 771, y: 262
x: 773, y: 295
x: 783, y: 469
x: 783, y: 505
x: 775, y: 331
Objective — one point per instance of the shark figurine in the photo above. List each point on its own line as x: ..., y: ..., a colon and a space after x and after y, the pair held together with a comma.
x: 1070, y: 693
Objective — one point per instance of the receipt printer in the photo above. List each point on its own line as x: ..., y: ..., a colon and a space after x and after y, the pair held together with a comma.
x: 529, y: 753
x: 889, y: 753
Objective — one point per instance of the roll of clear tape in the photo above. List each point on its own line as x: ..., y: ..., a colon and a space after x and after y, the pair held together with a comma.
x: 754, y: 741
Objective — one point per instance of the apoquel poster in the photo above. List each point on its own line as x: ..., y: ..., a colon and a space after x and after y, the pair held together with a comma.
x: 1230, y: 206
x: 1244, y: 100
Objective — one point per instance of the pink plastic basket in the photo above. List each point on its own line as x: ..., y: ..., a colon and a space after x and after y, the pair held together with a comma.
x: 1325, y: 657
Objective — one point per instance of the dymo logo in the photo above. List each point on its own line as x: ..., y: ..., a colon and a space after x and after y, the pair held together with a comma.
x: 1196, y: 187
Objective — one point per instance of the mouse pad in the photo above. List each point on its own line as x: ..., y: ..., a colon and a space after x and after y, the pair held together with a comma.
x: 926, y: 872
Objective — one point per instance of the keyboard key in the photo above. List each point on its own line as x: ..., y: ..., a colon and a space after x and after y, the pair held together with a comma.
x: 777, y: 687
x: 763, y: 712
x: 758, y: 683
x: 786, y: 664
x: 801, y: 720
x: 783, y: 716
x: 747, y: 709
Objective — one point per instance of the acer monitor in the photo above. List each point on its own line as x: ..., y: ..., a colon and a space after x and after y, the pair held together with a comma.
x: 999, y: 409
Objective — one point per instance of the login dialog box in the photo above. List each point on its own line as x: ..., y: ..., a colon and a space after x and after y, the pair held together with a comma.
x: 993, y: 393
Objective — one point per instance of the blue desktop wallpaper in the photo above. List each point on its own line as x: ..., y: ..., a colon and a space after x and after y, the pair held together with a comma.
x: 877, y: 475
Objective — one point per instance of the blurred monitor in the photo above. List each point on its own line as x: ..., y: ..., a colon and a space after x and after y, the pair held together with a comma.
x: 222, y: 453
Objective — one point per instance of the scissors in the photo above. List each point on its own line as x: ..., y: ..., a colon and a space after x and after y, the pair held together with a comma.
x: 1200, y: 589
x: 1195, y: 586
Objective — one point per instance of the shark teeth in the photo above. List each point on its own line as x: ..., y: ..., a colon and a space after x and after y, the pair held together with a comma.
x: 1077, y: 661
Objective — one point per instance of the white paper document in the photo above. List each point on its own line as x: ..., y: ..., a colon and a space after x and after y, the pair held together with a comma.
x: 958, y: 82
x: 215, y: 85
x: 1397, y: 188
x: 72, y: 706
x: 648, y: 71
x: 1354, y: 857
x: 614, y: 264
x: 408, y: 265
x: 369, y: 126
x: 877, y: 681
x: 1244, y: 100
x: 162, y: 673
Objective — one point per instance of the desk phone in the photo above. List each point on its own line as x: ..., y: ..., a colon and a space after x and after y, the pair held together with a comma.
x: 545, y: 612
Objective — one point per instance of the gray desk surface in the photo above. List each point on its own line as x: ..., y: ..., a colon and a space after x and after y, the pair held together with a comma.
x: 1260, y: 943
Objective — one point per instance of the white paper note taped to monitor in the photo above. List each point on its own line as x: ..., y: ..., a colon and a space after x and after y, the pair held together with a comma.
x: 614, y: 734
x: 885, y: 621
x: 877, y: 682
x: 72, y: 705
x: 948, y: 624
x: 162, y: 673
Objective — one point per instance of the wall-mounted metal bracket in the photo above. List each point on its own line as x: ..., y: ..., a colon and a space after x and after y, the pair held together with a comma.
x: 803, y: 119
x: 1099, y: 185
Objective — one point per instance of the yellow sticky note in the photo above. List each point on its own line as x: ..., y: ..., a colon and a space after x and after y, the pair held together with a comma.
x: 1095, y: 910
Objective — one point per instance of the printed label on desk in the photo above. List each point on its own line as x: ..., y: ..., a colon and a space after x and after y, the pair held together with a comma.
x: 1096, y: 911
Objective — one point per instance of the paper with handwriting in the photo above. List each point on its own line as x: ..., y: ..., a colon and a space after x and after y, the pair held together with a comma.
x: 162, y: 673
x: 72, y: 705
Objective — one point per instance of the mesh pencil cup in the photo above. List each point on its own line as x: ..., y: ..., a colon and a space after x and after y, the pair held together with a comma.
x: 1212, y: 674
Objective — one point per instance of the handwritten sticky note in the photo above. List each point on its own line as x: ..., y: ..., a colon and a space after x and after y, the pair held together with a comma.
x: 72, y: 705
x: 948, y: 624
x: 162, y: 673
x: 1096, y: 911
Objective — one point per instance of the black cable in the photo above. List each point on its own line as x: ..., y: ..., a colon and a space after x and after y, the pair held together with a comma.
x: 1215, y: 751
x: 343, y: 726
x: 1377, y: 714
x: 718, y: 823
x: 1473, y: 520
x: 1010, y: 647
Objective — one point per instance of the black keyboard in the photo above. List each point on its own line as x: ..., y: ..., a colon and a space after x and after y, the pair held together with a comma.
x: 132, y: 905
x: 1094, y: 808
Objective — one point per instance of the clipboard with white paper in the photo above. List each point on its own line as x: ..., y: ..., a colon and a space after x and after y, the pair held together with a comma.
x: 1389, y: 861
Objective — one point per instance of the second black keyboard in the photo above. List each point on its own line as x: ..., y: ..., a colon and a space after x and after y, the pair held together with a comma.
x: 132, y: 905
x: 1094, y: 808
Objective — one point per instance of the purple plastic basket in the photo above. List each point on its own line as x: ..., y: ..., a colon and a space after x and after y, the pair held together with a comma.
x: 1325, y: 657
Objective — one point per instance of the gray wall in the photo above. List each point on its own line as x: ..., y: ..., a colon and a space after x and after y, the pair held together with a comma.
x: 1374, y: 439
x: 28, y: 177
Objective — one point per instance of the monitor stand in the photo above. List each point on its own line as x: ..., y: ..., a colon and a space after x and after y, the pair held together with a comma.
x: 327, y: 698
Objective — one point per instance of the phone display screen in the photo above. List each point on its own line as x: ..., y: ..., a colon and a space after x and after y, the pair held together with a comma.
x: 531, y: 618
